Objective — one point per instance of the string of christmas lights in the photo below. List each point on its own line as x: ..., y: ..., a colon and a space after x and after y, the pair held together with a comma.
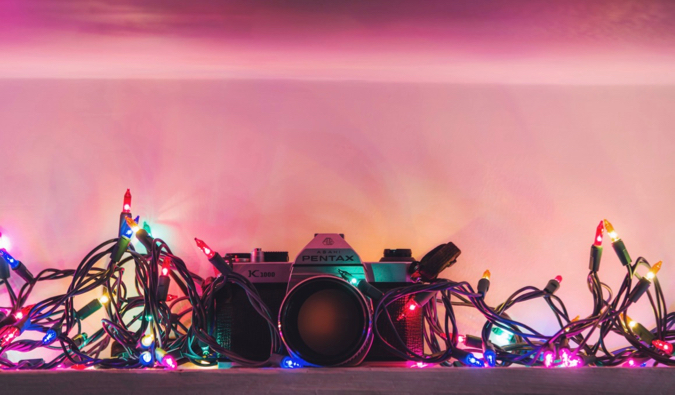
x: 149, y: 328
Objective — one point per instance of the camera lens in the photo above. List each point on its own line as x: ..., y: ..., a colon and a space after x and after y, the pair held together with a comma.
x: 326, y: 322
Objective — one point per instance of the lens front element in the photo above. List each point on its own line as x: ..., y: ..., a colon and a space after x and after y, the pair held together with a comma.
x: 327, y: 322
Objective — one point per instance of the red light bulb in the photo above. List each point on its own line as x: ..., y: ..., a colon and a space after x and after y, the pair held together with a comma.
x: 8, y: 334
x: 663, y: 346
x: 205, y: 249
x: 461, y: 339
x: 166, y: 267
x: 19, y: 315
x: 598, y: 234
x: 558, y: 278
x: 126, y: 208
x: 410, y: 308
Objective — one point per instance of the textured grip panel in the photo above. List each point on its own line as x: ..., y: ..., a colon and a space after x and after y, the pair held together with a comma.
x: 409, y: 327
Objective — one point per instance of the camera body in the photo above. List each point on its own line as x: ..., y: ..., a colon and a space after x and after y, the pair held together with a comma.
x: 324, y: 319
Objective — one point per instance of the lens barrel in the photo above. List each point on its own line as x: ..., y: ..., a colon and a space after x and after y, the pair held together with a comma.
x: 326, y: 321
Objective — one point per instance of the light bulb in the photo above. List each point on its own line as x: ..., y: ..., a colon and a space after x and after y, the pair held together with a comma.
x: 132, y: 224
x: 8, y: 334
x: 490, y: 357
x: 166, y: 267
x: 629, y: 321
x: 548, y: 359
x: 500, y: 337
x: 663, y: 346
x: 146, y: 358
x: 165, y: 359
x: 147, y: 340
x: 49, y: 337
x: 653, y: 271
x: 486, y: 274
x: 610, y: 231
x: 598, y: 234
x: 13, y: 263
x: 575, y: 319
x: 126, y: 207
x: 147, y: 228
x: 205, y: 248
x: 291, y: 363
x: 169, y: 362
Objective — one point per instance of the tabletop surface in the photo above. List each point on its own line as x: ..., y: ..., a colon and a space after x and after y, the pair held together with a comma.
x: 343, y: 380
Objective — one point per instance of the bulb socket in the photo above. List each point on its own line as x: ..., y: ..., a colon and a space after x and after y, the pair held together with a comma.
x: 552, y: 286
x: 472, y: 341
x: 119, y: 249
x: 144, y: 237
x: 422, y: 298
x: 639, y: 290
x: 643, y: 333
x: 369, y: 290
x: 621, y: 252
x: 4, y: 269
x: 89, y: 309
x: 219, y: 263
x: 483, y: 286
x: 163, y: 288
x: 594, y: 262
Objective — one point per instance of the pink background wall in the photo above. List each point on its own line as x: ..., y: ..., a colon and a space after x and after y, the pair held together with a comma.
x: 508, y: 147
x: 517, y: 176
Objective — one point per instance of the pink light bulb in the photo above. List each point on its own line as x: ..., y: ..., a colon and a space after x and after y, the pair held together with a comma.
x: 548, y: 359
x: 169, y: 362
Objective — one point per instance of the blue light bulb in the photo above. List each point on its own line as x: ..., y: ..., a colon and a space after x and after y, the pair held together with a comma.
x: 290, y: 363
x: 146, y: 358
x: 354, y: 281
x: 13, y: 263
x: 473, y: 361
x: 49, y: 337
x: 490, y: 357
x: 126, y: 231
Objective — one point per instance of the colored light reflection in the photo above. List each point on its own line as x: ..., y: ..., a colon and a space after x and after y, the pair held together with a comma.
x: 5, y: 243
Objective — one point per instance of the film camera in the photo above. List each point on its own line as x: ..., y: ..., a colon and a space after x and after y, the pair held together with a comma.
x: 324, y: 319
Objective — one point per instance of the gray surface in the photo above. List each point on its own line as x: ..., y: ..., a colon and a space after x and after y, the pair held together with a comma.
x: 354, y: 381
